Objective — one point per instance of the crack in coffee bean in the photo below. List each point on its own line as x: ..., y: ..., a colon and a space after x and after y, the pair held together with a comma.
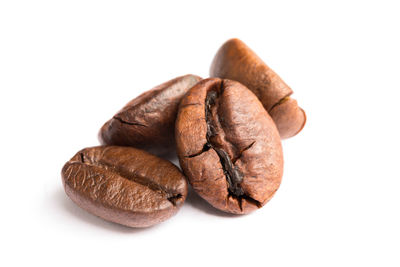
x: 174, y: 199
x: 241, y: 152
x: 281, y: 101
x: 232, y: 175
x: 205, y: 148
x: 171, y: 196
x: 82, y: 157
x: 128, y: 122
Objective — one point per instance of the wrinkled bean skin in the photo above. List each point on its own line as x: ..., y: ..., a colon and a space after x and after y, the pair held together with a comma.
x: 236, y: 61
x: 124, y: 185
x: 228, y: 146
x: 148, y: 121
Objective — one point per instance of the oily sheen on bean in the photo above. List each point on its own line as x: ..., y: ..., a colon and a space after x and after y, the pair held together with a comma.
x: 228, y: 146
x: 124, y: 185
x: 148, y: 121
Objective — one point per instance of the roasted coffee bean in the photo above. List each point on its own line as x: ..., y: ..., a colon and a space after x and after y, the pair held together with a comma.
x: 148, y: 121
x: 236, y: 61
x: 124, y: 185
x: 228, y: 146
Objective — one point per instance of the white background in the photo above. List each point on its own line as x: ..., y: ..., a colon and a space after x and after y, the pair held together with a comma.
x: 67, y: 66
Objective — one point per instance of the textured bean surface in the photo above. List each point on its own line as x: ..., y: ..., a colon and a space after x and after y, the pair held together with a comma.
x: 228, y: 146
x: 148, y: 121
x: 124, y: 185
x: 236, y: 61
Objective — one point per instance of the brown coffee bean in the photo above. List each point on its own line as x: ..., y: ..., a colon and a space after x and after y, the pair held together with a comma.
x: 124, y: 185
x: 148, y: 121
x: 236, y: 61
x: 228, y: 146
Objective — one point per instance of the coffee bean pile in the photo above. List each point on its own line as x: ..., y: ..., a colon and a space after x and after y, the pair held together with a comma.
x: 225, y: 130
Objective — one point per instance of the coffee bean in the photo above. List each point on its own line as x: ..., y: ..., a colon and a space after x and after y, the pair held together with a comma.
x: 124, y: 185
x: 147, y: 122
x: 236, y: 61
x: 228, y: 146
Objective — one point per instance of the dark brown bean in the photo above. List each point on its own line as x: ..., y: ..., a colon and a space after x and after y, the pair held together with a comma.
x: 124, y: 185
x: 147, y: 122
x: 228, y: 146
x: 236, y: 61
